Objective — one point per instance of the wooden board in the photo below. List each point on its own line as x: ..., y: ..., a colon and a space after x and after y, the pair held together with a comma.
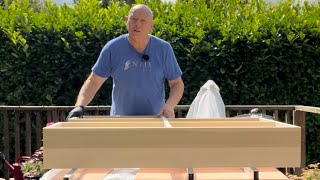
x: 186, y: 144
x: 102, y: 116
x: 265, y: 173
x: 152, y: 124
x: 177, y: 174
x: 148, y: 119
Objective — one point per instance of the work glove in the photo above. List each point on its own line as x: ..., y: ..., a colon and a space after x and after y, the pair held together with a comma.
x: 76, y: 112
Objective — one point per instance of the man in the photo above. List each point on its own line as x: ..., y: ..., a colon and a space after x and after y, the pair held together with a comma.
x: 139, y: 64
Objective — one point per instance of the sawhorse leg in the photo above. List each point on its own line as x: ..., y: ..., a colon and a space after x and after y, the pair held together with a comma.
x: 190, y: 173
x: 252, y: 171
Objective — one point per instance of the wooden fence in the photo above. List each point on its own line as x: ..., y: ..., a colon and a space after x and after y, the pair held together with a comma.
x: 22, y: 125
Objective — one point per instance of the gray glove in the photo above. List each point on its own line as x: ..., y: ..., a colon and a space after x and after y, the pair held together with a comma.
x: 76, y: 112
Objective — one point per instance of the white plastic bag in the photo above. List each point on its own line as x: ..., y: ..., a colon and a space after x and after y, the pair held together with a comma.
x: 208, y: 102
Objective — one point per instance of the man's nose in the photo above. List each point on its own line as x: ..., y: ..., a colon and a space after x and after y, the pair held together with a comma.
x: 138, y: 23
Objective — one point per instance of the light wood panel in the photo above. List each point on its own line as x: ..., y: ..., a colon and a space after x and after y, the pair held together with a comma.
x: 114, y: 124
x: 115, y: 120
x: 75, y: 125
x: 153, y: 119
x: 221, y: 173
x: 234, y: 124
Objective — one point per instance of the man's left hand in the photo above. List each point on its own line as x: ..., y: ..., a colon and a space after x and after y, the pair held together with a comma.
x: 167, y: 111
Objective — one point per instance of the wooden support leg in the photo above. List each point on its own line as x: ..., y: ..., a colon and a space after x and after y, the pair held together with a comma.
x: 190, y: 173
x: 252, y: 172
x: 255, y: 174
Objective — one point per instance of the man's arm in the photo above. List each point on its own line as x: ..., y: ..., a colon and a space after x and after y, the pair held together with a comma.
x: 86, y: 94
x: 89, y: 89
x: 176, y: 92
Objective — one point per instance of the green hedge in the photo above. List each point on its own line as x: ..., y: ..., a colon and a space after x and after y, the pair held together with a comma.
x: 257, y: 52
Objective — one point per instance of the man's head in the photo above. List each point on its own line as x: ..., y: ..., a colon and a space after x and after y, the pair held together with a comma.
x: 139, y: 21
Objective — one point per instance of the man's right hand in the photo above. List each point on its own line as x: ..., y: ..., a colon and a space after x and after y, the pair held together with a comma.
x: 76, y: 112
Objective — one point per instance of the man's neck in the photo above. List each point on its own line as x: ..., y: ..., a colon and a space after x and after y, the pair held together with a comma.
x: 139, y: 43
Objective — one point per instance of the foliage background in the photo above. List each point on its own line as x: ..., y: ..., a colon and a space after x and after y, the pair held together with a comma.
x: 257, y: 52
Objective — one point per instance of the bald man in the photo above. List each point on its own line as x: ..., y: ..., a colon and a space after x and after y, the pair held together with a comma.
x: 139, y: 64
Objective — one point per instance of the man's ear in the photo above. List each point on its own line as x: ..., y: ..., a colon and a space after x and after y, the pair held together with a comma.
x: 126, y: 19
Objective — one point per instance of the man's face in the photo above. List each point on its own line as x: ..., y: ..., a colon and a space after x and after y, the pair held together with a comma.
x: 139, y: 23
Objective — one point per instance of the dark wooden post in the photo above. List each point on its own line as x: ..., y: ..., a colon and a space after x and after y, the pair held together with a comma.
x: 6, y: 141
x: 299, y: 119
x: 38, y: 130
x: 28, y: 133
x: 49, y: 116
x: 17, y: 133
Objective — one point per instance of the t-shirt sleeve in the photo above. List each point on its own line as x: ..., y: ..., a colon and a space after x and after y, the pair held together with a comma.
x: 103, y: 66
x: 172, y: 69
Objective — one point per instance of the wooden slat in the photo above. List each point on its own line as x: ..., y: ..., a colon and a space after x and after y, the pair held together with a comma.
x: 156, y: 119
x: 115, y: 119
x: 96, y: 112
x: 62, y: 116
x: 6, y: 143
x: 261, y: 107
x: 288, y: 119
x: 265, y: 173
x: 120, y: 117
x: 17, y: 133
x: 79, y: 174
x: 108, y: 111
x: 54, y: 116
x: 310, y: 109
x: 227, y: 113
x: 28, y: 133
x: 108, y: 124
x: 239, y: 112
x: 49, y: 116
x: 38, y: 130
x: 96, y: 174
x: 300, y: 120
x: 179, y: 113
x: 232, y: 119
x: 234, y: 173
x: 162, y: 174
x: 276, y: 115
x: 235, y: 124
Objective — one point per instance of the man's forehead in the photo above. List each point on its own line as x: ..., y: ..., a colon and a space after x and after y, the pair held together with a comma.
x: 140, y: 13
x: 140, y: 10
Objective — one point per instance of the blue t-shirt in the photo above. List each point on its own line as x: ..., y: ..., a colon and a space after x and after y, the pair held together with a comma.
x: 138, y: 84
